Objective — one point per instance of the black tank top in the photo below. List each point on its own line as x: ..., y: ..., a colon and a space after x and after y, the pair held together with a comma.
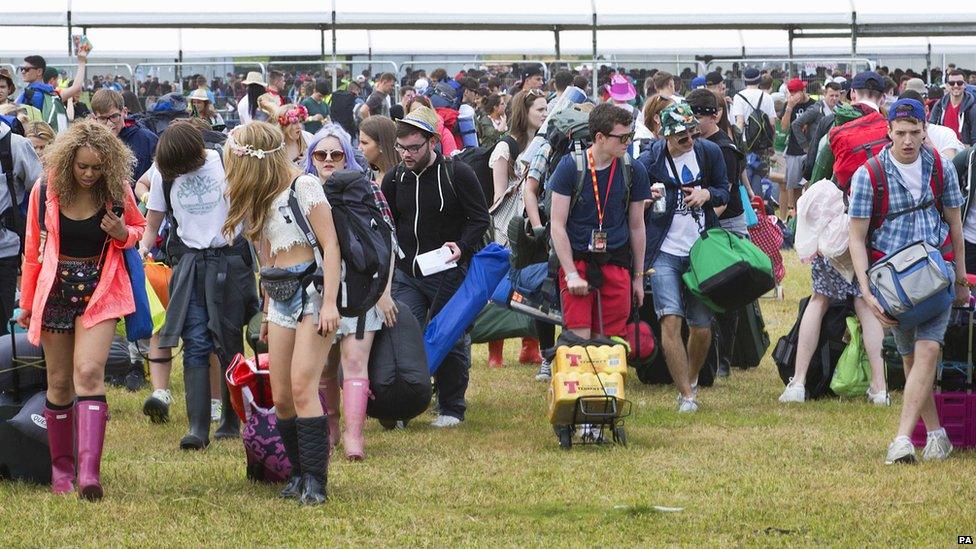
x: 83, y: 238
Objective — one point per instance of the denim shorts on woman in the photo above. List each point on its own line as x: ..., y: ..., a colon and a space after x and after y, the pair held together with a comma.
x: 671, y: 297
x: 288, y: 314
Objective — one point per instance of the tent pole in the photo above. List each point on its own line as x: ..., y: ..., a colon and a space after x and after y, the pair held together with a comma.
x: 555, y: 32
x: 69, y: 29
x: 335, y: 67
x: 790, y: 36
x: 596, y: 94
x: 928, y: 62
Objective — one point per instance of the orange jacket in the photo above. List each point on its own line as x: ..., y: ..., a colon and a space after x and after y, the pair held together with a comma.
x: 113, y: 294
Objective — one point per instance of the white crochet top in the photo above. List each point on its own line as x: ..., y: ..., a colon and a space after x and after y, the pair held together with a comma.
x: 281, y: 230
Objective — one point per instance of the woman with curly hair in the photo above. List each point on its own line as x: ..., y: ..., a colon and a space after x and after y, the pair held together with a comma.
x: 300, y: 318
x: 75, y: 288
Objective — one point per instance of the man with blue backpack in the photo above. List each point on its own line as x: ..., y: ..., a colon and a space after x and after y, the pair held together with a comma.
x: 694, y: 176
x: 19, y: 168
x: 906, y: 224
x: 47, y: 99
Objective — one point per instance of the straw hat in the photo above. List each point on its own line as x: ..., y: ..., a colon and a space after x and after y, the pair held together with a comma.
x: 254, y: 77
x: 423, y: 118
x: 198, y: 95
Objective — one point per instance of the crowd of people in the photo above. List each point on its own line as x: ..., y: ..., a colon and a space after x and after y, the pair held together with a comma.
x: 89, y: 180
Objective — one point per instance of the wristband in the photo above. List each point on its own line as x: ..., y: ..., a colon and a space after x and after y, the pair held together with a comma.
x: 963, y: 283
x: 571, y: 276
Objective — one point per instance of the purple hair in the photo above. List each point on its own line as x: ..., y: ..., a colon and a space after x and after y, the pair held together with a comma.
x: 332, y: 130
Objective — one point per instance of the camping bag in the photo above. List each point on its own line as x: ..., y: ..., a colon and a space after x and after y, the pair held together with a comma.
x: 477, y: 159
x: 913, y: 284
x: 826, y: 354
x: 727, y: 271
x: 158, y: 275
x: 852, y: 377
x: 365, y: 240
x: 22, y: 370
x: 854, y: 142
x: 758, y: 132
x: 30, y: 419
x: 264, y: 449
x: 398, y: 377
x: 494, y: 322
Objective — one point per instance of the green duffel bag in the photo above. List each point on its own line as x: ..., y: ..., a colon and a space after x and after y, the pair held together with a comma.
x: 252, y: 334
x: 494, y: 323
x: 852, y: 376
x: 728, y: 271
x: 528, y: 246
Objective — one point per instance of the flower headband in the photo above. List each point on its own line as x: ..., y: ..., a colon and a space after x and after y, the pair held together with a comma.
x: 248, y: 150
x: 293, y: 116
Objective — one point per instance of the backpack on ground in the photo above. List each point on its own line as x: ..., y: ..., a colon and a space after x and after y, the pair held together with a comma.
x: 853, y: 143
x: 398, y: 377
x: 751, y: 338
x: 759, y: 133
x: 728, y: 271
x: 52, y: 109
x: 826, y: 354
x: 477, y: 158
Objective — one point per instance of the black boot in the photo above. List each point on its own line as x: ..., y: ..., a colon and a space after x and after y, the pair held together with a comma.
x: 230, y: 425
x: 313, y: 444
x: 197, y: 389
x: 289, y: 438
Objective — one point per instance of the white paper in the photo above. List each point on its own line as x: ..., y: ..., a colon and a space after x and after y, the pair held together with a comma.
x: 435, y: 261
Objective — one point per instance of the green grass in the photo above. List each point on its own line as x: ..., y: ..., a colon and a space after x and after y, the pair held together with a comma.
x: 746, y: 470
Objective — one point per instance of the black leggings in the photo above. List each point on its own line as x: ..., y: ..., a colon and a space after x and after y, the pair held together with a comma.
x: 546, y: 333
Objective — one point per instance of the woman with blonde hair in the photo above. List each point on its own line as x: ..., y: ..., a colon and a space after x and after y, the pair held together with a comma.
x: 41, y: 134
x: 75, y: 288
x: 301, y: 318
x: 652, y: 113
x: 377, y: 137
x: 290, y: 118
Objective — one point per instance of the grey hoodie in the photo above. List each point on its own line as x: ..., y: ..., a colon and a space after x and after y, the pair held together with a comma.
x: 27, y: 168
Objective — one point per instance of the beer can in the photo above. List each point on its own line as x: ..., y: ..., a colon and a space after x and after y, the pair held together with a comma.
x: 659, y: 205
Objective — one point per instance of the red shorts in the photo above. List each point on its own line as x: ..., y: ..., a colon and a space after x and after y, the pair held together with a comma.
x: 615, y: 298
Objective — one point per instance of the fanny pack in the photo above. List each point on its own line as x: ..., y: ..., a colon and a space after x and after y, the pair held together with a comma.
x: 282, y: 284
x: 913, y: 284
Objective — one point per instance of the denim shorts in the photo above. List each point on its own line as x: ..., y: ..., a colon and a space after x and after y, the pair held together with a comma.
x: 373, y: 322
x: 288, y: 314
x: 933, y: 329
x: 671, y: 297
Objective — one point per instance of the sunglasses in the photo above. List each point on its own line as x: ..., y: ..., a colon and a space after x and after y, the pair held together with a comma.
x: 624, y: 138
x: 956, y: 82
x: 25, y: 68
x: 684, y: 139
x: 328, y: 156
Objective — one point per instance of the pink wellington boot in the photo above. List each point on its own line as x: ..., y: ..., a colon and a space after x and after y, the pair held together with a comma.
x: 61, y: 439
x: 355, y: 396
x: 92, y: 416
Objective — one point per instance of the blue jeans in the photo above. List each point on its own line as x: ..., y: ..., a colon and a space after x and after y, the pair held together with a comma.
x: 671, y: 297
x: 197, y: 341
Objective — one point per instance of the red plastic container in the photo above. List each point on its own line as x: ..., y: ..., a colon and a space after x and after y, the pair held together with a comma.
x: 957, y: 413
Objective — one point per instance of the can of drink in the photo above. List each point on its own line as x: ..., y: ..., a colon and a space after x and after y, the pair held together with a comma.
x: 659, y: 205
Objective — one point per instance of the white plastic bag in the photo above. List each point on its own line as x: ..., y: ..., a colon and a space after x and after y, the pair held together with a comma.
x: 815, y: 210
x: 835, y: 237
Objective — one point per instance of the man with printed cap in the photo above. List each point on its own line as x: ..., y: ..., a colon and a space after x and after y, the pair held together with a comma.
x: 915, y: 214
x: 694, y: 176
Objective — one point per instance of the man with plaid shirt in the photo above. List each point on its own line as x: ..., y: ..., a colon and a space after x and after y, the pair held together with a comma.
x: 913, y: 216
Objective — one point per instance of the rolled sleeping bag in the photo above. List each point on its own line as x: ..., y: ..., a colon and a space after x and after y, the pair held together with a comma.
x: 469, y: 134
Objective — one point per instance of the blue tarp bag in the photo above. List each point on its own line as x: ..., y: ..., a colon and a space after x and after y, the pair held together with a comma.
x: 487, y: 268
x: 139, y: 324
x: 913, y: 284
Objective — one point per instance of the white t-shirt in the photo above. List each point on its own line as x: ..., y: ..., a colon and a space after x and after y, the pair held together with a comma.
x: 943, y: 139
x: 911, y: 175
x: 685, y: 230
x: 740, y: 107
x: 198, y: 200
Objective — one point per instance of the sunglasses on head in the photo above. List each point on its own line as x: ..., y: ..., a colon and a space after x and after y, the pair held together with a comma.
x: 328, y: 156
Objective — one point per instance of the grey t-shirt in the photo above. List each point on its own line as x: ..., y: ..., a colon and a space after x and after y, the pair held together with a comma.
x: 27, y: 169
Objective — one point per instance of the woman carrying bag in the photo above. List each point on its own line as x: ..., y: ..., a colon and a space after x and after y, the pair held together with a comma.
x: 74, y: 289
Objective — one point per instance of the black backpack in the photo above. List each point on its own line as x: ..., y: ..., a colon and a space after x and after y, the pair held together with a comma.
x: 759, y: 131
x: 398, y: 374
x: 365, y: 241
x: 827, y: 353
x: 341, y: 108
x: 11, y: 218
x: 477, y: 158
x: 168, y: 108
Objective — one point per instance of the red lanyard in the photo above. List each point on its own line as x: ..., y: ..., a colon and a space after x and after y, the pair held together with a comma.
x: 596, y: 189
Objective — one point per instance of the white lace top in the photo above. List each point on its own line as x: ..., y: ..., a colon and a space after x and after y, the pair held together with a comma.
x: 284, y: 233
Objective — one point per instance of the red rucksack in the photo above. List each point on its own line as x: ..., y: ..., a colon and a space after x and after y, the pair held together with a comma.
x: 880, y: 204
x: 854, y: 142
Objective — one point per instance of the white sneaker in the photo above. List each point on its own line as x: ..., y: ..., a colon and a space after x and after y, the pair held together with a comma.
x: 794, y: 392
x: 879, y: 399
x: 687, y: 405
x: 163, y: 395
x: 545, y: 371
x: 937, y: 446
x: 216, y: 408
x: 900, y: 450
x: 445, y: 421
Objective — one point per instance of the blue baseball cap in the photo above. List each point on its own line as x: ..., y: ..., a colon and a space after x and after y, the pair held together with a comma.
x: 697, y: 82
x: 868, y: 80
x: 906, y: 108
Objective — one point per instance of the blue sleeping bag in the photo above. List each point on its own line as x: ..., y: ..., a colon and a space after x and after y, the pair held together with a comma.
x: 487, y: 268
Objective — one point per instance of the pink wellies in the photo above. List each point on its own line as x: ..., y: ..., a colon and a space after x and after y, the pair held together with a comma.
x: 355, y: 396
x: 92, y: 416
x: 61, y: 440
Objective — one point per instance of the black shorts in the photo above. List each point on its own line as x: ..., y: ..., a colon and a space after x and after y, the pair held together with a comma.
x: 61, y: 311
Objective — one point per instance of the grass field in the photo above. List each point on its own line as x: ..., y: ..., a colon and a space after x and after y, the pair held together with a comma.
x: 745, y: 470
